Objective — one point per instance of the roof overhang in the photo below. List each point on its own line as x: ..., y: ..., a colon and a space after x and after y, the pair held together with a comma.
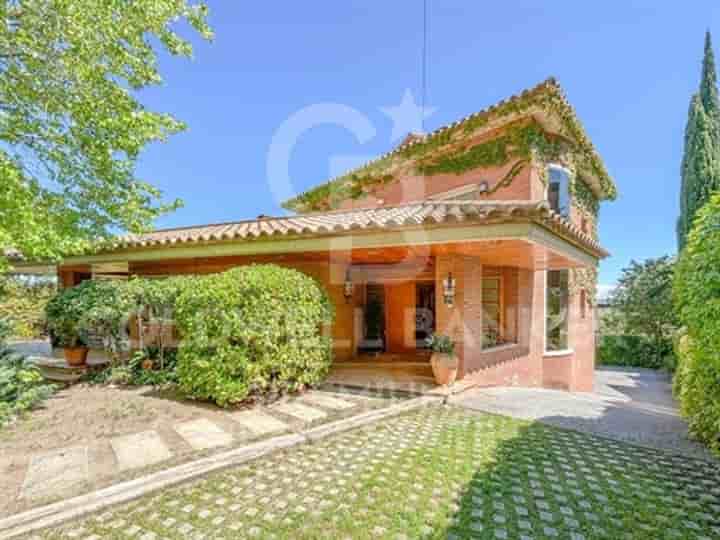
x: 32, y: 268
x: 465, y: 238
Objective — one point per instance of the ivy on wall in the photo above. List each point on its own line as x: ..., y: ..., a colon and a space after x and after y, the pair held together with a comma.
x: 584, y: 279
x: 518, y: 142
x: 448, y: 151
x: 584, y: 197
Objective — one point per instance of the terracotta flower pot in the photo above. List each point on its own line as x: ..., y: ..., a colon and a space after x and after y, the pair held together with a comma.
x: 75, y: 356
x: 444, y: 367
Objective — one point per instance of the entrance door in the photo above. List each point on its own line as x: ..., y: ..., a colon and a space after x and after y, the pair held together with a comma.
x: 373, y: 339
x: 400, y: 301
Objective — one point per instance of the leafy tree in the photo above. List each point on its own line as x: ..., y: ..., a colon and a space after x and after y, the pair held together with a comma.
x: 700, y: 168
x: 71, y: 128
x: 642, y: 304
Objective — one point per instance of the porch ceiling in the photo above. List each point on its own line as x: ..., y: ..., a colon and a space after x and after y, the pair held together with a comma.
x: 517, y: 253
x: 520, y: 253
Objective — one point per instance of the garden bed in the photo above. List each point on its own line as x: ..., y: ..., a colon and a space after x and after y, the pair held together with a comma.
x: 91, y: 419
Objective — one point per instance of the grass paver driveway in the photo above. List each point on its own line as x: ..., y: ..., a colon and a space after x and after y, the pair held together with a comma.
x: 439, y: 472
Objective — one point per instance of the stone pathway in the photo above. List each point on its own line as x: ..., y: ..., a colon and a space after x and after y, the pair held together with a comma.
x: 140, y: 450
x: 299, y: 411
x: 57, y: 470
x: 202, y: 434
x: 53, y: 473
x: 259, y: 423
x: 440, y: 472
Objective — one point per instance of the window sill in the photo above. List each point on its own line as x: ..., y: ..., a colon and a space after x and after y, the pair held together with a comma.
x: 564, y: 352
x: 499, y: 347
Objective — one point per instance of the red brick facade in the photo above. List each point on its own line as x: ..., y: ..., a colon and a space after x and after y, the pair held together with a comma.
x: 519, y: 263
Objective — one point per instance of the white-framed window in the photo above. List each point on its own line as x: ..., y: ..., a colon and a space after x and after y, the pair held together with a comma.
x: 558, y: 189
x: 557, y: 311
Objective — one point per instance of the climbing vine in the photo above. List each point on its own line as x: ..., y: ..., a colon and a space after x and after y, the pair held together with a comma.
x: 584, y: 279
x: 584, y: 198
x: 517, y: 142
x: 448, y: 151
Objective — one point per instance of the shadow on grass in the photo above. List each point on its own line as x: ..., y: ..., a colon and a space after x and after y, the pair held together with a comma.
x: 545, y: 483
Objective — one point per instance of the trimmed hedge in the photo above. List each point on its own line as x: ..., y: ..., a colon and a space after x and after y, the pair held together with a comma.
x: 697, y: 297
x: 248, y: 331
x: 634, y: 351
x: 252, y: 330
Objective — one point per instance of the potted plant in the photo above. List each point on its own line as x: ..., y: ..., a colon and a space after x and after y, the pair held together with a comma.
x: 444, y: 362
x: 64, y: 314
x: 68, y: 336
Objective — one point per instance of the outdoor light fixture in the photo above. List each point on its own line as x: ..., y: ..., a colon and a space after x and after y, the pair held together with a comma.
x: 449, y: 290
x: 348, y: 287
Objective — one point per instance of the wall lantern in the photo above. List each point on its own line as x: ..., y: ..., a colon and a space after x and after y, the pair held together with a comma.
x: 348, y: 287
x: 449, y: 290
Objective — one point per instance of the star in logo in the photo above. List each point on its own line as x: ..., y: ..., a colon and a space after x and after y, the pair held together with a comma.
x: 407, y: 117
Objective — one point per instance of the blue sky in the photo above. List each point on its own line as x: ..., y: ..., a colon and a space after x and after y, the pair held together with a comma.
x: 629, y: 68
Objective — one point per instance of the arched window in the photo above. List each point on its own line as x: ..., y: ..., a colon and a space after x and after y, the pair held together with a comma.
x: 558, y: 190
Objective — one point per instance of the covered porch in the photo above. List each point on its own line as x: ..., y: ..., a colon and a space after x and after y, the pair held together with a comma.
x: 387, y: 274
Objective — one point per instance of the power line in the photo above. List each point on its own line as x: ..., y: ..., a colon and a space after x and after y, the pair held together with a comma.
x: 424, y: 65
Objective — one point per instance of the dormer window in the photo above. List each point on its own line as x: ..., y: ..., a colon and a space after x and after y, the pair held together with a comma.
x: 558, y: 190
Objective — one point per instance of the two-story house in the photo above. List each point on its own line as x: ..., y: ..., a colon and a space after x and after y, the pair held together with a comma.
x: 485, y: 229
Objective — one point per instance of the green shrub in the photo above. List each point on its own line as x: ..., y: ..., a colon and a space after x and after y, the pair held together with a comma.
x: 144, y: 368
x: 90, y: 306
x: 22, y: 303
x: 697, y: 297
x: 635, y: 351
x: 250, y: 331
x: 148, y: 367
x: 441, y: 344
x: 21, y: 386
x: 104, y: 308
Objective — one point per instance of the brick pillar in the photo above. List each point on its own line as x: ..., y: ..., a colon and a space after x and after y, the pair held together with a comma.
x: 531, y: 323
x: 463, y: 321
x: 582, y: 341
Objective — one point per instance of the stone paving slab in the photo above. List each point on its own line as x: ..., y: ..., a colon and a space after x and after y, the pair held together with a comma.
x: 92, y: 504
x: 300, y: 411
x: 55, y: 472
x: 328, y: 401
x: 259, y: 423
x: 140, y: 450
x: 202, y: 434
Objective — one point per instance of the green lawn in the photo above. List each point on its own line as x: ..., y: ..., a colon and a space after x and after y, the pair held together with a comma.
x: 435, y: 473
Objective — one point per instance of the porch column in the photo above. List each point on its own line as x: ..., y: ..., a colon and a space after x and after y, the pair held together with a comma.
x: 343, y: 328
x: 463, y: 321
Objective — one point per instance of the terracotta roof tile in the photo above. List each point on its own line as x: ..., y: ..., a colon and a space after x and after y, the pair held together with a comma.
x: 342, y: 222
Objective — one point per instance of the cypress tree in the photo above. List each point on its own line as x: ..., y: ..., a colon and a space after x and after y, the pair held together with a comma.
x: 700, y: 168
